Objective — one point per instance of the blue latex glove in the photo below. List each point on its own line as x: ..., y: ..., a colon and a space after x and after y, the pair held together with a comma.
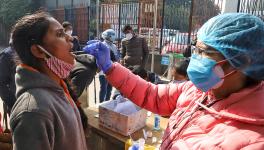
x: 101, y: 52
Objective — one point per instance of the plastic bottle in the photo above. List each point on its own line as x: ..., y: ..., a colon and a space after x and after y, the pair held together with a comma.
x: 156, y: 122
x: 139, y: 145
x: 134, y: 147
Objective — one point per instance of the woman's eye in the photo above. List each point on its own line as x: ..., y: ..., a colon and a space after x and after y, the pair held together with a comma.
x: 60, y: 34
x: 197, y: 51
x: 205, y: 53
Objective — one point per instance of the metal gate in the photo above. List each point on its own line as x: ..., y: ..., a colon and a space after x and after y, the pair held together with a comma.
x: 255, y: 7
x: 176, y: 24
x: 78, y: 17
x: 182, y: 19
x: 117, y: 15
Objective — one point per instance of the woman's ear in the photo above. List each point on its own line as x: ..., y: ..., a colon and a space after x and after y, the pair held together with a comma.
x: 37, y: 52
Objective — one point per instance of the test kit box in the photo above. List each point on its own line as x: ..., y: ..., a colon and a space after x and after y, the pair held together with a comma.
x: 124, y: 123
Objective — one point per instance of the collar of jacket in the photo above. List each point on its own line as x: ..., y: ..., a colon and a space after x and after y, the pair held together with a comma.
x: 28, y: 78
x: 245, y: 106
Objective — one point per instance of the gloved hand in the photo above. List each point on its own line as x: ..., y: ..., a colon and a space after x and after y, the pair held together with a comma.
x: 101, y: 52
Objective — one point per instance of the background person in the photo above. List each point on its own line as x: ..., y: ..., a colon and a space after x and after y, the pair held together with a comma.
x: 221, y: 107
x: 80, y: 77
x: 109, y: 37
x: 179, y: 71
x: 69, y: 30
x: 134, y: 49
x: 7, y: 77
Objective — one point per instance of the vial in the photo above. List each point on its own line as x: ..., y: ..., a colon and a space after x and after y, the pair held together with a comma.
x: 156, y: 122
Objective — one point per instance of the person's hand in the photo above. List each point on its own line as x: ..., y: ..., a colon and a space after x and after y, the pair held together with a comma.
x: 101, y: 52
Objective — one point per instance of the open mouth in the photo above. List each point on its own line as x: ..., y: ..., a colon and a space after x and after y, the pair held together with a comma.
x: 72, y: 55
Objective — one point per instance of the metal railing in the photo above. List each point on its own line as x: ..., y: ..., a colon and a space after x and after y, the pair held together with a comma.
x: 78, y: 17
x: 255, y: 7
x: 177, y: 21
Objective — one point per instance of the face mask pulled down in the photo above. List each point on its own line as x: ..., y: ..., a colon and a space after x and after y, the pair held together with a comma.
x: 61, y: 68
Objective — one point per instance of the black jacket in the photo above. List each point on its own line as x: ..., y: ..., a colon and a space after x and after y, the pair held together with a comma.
x: 83, y: 73
x: 76, y: 44
x: 134, y: 51
x: 81, y: 76
x: 7, y: 78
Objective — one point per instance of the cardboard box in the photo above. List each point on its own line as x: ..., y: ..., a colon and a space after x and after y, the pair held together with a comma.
x: 124, y: 124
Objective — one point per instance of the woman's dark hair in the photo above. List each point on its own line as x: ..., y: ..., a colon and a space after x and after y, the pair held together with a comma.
x: 66, y: 24
x: 126, y: 28
x: 181, y: 67
x: 29, y: 30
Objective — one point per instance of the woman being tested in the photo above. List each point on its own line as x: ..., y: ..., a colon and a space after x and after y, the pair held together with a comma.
x: 44, y: 116
x: 221, y: 107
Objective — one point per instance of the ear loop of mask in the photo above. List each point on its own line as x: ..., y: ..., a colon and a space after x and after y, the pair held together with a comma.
x: 247, y: 59
x: 229, y: 74
x: 224, y: 75
x: 49, y: 54
x: 220, y: 73
x: 45, y: 51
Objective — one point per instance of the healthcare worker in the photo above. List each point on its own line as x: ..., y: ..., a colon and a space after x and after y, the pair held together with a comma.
x: 109, y: 37
x: 222, y: 106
